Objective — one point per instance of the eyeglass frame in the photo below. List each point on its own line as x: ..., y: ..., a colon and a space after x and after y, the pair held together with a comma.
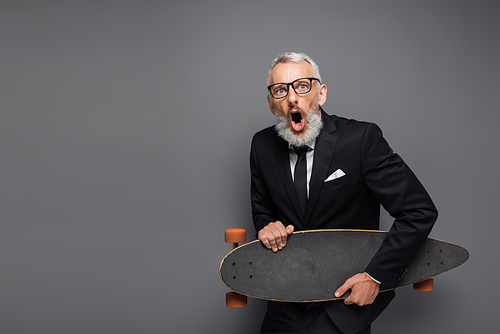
x: 291, y: 84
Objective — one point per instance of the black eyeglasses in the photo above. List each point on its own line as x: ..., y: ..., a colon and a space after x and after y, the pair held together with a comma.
x: 300, y: 86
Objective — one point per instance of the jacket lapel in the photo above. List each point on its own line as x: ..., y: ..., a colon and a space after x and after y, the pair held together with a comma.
x: 283, y: 162
x: 323, y: 155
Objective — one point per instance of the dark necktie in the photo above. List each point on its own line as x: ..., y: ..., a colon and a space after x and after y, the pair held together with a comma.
x: 300, y: 177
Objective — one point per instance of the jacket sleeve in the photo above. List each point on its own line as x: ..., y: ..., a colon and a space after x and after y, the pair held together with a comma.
x: 403, y: 196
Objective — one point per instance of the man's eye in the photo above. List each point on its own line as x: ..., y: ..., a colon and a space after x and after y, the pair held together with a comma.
x: 302, y: 86
x: 280, y: 90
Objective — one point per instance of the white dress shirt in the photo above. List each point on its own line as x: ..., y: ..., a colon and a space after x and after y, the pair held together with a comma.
x: 309, y: 161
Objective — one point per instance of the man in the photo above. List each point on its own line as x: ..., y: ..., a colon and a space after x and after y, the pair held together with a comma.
x: 315, y: 171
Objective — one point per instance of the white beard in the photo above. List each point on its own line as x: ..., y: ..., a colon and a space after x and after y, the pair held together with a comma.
x: 314, y: 126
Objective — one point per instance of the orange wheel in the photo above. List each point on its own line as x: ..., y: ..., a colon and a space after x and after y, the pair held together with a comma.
x: 235, y: 300
x: 235, y: 235
x: 425, y: 285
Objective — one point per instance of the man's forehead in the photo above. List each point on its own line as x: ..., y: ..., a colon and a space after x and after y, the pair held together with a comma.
x: 290, y: 71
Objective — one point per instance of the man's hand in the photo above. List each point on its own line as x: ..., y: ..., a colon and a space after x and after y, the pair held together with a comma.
x: 274, y: 235
x: 364, y: 290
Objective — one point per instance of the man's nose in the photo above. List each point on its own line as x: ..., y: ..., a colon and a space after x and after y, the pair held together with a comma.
x: 292, y: 97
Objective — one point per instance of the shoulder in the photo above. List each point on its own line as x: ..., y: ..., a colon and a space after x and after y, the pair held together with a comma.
x: 266, y: 137
x: 342, y: 122
x: 350, y: 127
x: 265, y: 133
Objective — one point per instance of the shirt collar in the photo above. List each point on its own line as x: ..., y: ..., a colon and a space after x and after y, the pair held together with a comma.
x: 311, y: 144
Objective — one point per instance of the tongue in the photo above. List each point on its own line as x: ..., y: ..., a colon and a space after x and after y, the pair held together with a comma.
x: 298, y: 126
x: 297, y: 122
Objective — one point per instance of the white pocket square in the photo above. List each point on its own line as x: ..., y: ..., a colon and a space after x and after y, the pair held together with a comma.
x: 335, y: 175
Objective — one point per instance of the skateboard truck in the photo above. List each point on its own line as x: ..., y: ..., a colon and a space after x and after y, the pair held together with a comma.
x: 235, y: 236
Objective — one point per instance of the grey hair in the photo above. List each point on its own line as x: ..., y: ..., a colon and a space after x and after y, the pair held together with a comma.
x: 294, y: 57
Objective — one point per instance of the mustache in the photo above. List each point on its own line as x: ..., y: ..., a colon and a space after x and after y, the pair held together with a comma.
x: 294, y: 110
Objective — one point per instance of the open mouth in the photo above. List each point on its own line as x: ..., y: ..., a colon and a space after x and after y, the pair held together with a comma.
x: 296, y: 117
x: 297, y: 121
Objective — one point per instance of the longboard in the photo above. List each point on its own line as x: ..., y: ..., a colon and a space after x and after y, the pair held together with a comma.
x: 314, y: 264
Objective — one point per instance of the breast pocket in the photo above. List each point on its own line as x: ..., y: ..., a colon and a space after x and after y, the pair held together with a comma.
x: 334, y: 183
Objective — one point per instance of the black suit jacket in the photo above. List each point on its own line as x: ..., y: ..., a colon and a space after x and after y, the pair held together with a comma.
x: 375, y: 176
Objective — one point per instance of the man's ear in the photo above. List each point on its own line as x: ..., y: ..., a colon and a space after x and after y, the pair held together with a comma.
x: 323, y: 92
x: 270, y: 104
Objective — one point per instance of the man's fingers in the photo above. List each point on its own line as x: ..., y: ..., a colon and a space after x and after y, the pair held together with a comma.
x: 272, y: 239
x: 364, y: 290
x: 263, y: 238
x: 343, y: 289
x: 268, y: 236
x: 285, y: 233
x: 274, y: 235
x: 280, y: 235
x: 284, y: 236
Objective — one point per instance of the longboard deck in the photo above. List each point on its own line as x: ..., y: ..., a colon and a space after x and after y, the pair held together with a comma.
x: 315, y: 263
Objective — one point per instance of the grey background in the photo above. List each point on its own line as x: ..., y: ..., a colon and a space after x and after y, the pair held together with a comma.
x: 125, y: 134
